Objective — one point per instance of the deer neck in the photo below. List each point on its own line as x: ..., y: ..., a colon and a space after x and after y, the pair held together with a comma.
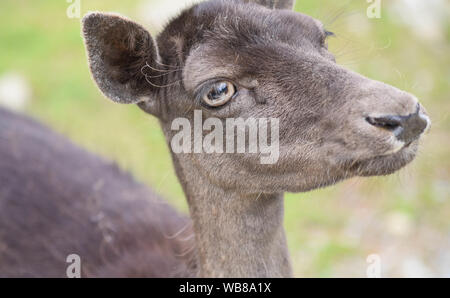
x: 237, y: 235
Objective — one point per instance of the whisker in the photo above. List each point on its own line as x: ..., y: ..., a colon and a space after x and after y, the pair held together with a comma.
x: 191, y: 236
x: 166, y: 65
x: 178, y: 233
x: 164, y: 74
x: 341, y: 12
x: 186, y: 252
x: 338, y: 12
x: 162, y: 86
x: 155, y: 69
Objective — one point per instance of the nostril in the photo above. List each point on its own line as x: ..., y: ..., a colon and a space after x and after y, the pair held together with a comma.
x: 390, y: 123
x: 405, y: 128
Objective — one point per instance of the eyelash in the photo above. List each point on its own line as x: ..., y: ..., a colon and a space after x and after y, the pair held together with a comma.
x: 326, y: 35
x: 329, y: 33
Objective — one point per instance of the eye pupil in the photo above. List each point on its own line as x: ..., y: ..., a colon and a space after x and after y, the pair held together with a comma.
x: 218, y: 91
x: 219, y: 94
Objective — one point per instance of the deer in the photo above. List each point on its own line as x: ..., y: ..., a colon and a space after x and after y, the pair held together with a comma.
x: 229, y: 59
x: 57, y: 200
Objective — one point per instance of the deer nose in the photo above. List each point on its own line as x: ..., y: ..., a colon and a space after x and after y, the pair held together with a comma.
x: 405, y: 128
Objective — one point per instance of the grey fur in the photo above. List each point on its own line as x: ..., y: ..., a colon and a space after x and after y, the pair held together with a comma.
x: 275, y: 4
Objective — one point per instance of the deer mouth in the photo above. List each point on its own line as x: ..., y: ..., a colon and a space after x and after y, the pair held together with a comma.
x: 387, y: 163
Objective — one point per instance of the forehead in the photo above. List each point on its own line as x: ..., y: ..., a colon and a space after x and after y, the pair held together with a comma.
x: 236, y: 38
x: 235, y: 21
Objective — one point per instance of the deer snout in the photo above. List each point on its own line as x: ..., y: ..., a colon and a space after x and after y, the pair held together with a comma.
x: 405, y: 128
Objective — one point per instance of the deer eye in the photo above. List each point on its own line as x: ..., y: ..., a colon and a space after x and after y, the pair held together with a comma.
x: 219, y: 94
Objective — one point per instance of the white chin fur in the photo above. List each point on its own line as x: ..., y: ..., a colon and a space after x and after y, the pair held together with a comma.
x: 397, y: 145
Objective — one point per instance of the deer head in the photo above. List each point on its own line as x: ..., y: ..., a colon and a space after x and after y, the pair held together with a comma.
x: 255, y: 59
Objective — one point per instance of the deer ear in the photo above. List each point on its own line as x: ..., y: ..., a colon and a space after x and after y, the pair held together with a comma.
x: 118, y: 49
x: 275, y: 4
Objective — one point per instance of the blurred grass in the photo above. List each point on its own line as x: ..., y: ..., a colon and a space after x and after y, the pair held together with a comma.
x: 39, y: 41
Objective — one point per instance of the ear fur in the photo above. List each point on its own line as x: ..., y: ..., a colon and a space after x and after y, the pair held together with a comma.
x: 275, y: 4
x: 117, y: 50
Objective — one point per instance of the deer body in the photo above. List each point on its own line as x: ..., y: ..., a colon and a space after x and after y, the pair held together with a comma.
x: 250, y: 59
x: 57, y: 199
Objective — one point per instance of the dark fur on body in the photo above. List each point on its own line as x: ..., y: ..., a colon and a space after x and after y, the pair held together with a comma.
x: 57, y: 199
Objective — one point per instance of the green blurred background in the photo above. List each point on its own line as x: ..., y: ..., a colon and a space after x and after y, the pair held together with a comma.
x: 404, y: 218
